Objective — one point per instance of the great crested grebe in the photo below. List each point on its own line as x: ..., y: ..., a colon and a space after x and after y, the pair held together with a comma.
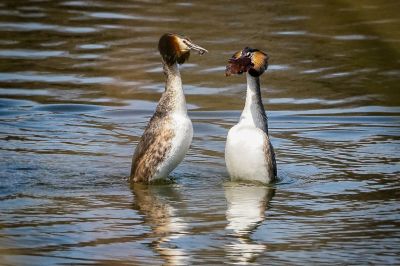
x: 249, y: 154
x: 168, y: 135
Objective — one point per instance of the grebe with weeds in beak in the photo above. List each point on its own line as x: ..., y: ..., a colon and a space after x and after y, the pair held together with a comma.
x: 249, y: 154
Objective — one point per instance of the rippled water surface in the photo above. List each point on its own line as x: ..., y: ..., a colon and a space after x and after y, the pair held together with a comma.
x: 80, y: 79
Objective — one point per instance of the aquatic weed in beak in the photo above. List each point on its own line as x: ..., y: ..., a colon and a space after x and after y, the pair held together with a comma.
x: 238, y: 65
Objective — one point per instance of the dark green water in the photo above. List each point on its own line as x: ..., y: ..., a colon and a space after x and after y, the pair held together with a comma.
x: 80, y: 79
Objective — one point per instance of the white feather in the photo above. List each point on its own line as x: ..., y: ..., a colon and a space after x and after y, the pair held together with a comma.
x: 180, y: 144
x: 245, y: 155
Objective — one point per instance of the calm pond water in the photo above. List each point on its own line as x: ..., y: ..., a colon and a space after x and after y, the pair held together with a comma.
x: 80, y: 79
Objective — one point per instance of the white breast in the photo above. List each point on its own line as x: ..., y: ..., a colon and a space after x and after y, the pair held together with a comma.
x: 183, y: 129
x: 244, y: 153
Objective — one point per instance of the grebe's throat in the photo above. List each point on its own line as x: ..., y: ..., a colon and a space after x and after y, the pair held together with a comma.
x: 172, y: 99
x: 254, y: 112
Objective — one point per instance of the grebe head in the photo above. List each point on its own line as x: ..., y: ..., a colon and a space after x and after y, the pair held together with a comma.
x: 176, y: 49
x: 249, y: 60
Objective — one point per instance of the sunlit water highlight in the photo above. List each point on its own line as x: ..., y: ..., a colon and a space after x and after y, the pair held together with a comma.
x: 80, y: 79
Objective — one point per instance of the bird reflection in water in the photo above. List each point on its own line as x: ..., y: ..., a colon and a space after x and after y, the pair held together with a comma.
x: 158, y: 204
x: 245, y: 213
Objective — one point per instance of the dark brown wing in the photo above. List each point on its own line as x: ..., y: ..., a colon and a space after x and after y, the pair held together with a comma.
x: 270, y: 157
x: 151, y: 149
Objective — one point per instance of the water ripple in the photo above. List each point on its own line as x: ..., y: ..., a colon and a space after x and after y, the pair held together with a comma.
x: 79, y: 81
x: 32, y: 26
x: 28, y: 54
x: 29, y: 76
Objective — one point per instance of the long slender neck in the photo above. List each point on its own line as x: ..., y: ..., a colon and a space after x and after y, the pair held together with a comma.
x: 173, y: 99
x: 253, y: 112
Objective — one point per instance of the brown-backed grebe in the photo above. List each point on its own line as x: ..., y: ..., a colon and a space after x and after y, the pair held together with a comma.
x: 168, y: 135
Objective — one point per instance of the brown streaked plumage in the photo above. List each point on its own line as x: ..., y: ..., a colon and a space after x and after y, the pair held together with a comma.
x: 163, y: 145
x: 153, y: 145
x: 151, y: 149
